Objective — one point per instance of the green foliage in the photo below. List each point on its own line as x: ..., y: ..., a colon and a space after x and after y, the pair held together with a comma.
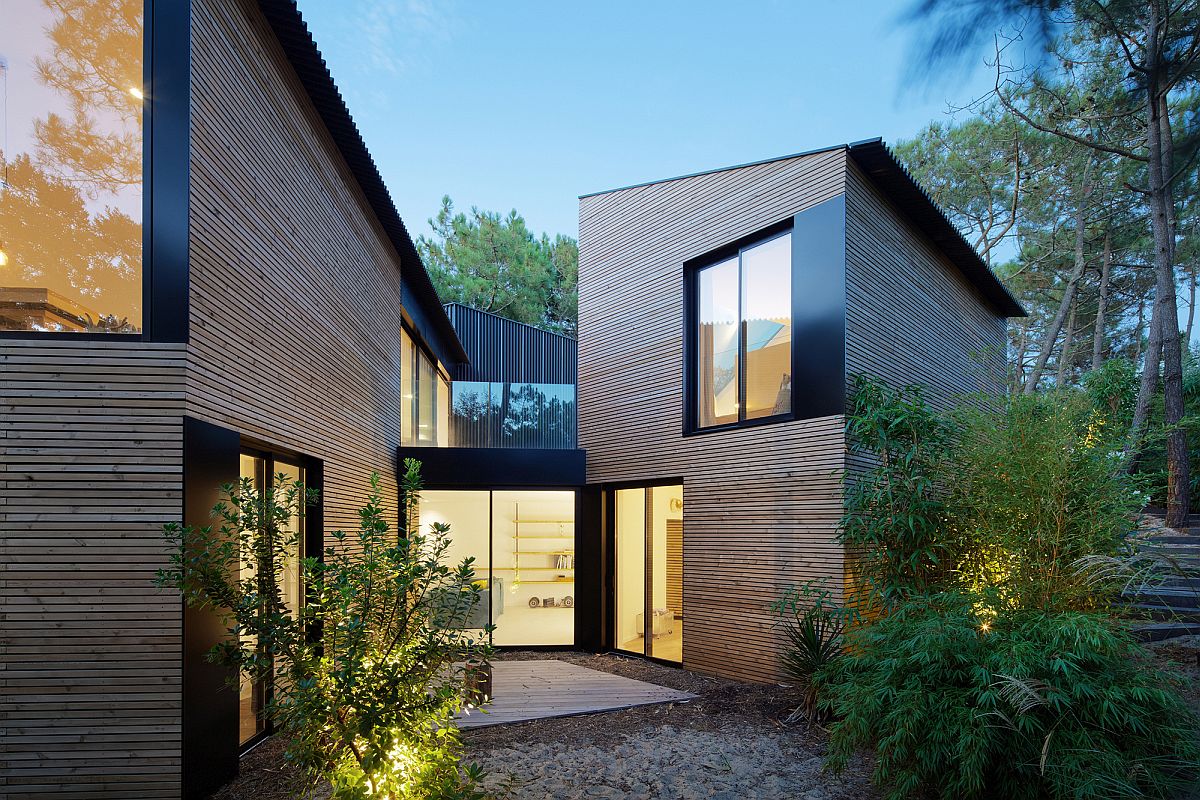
x: 368, y: 704
x: 894, y: 515
x: 1035, y: 483
x: 1113, y: 389
x: 496, y: 264
x: 1027, y: 705
x: 813, y: 627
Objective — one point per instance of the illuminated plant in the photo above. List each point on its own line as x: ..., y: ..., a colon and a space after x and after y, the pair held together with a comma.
x: 367, y: 674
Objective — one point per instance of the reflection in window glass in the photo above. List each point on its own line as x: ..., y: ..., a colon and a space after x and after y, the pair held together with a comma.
x: 251, y: 696
x: 71, y: 189
x: 744, y: 335
x: 767, y: 315
x: 426, y: 391
x: 408, y: 386
x: 718, y: 359
x: 443, y: 412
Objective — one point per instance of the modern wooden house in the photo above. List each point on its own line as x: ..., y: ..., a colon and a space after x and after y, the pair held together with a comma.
x: 720, y: 317
x: 203, y: 277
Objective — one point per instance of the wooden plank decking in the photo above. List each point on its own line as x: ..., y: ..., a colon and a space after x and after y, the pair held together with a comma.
x: 527, y: 690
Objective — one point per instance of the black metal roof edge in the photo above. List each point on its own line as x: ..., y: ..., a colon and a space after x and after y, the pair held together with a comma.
x: 878, y: 162
x: 474, y: 310
x: 301, y: 50
x: 715, y: 170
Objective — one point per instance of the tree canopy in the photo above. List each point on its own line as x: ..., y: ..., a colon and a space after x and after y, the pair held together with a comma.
x: 495, y: 263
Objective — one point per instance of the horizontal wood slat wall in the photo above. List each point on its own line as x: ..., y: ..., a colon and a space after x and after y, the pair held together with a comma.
x: 911, y: 316
x: 90, y: 470
x: 295, y: 288
x: 760, y: 504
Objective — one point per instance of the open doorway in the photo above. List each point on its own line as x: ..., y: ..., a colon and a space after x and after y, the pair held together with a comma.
x: 647, y: 534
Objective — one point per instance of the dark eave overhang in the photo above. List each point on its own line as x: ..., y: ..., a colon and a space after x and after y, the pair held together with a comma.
x: 879, y: 164
x: 301, y: 50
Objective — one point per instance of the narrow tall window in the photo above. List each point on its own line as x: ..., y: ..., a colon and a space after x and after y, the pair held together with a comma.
x: 743, y: 335
x: 72, y: 98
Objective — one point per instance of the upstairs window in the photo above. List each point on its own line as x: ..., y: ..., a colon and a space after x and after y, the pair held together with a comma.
x: 71, y: 93
x: 424, y: 397
x: 741, y: 370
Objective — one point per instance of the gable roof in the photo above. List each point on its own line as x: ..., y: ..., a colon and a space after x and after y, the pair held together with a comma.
x: 301, y: 50
x: 882, y: 167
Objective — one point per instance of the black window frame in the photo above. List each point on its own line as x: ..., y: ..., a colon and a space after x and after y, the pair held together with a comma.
x: 311, y: 540
x: 166, y: 145
x: 691, y: 287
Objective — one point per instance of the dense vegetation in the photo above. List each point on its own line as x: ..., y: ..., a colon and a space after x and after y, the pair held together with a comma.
x: 367, y: 703
x: 982, y: 659
x: 1076, y: 179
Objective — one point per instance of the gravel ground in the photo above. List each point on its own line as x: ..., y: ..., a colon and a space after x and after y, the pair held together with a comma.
x: 729, y: 743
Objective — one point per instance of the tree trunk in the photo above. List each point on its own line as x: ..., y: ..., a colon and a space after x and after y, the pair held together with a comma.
x: 1149, y: 385
x: 1064, y: 356
x: 1140, y: 330
x: 1098, y: 333
x: 1068, y: 298
x: 1187, y: 338
x: 1019, y: 364
x: 1162, y: 201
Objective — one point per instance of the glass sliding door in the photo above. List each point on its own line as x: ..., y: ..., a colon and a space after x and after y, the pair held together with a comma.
x: 629, y: 516
x: 648, y: 590
x: 263, y: 471
x: 523, y: 543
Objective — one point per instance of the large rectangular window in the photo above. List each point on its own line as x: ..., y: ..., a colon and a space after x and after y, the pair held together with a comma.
x: 424, y: 396
x: 523, y: 543
x: 742, y: 315
x: 71, y: 91
x: 265, y: 471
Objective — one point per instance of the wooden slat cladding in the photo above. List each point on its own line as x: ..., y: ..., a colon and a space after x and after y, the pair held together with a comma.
x: 761, y: 504
x: 911, y: 316
x: 90, y: 470
x: 504, y: 351
x: 295, y: 295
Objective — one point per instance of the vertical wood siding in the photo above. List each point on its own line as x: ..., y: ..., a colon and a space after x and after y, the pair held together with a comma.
x: 90, y: 470
x: 760, y: 504
x: 911, y: 316
x: 505, y: 351
x: 295, y: 290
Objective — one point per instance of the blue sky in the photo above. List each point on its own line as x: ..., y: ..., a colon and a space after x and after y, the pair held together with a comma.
x: 527, y: 105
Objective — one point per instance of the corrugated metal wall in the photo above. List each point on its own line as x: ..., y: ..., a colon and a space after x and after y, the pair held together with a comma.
x: 504, y: 351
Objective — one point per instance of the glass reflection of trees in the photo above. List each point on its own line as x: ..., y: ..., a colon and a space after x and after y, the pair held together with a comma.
x: 536, y: 415
x: 71, y: 193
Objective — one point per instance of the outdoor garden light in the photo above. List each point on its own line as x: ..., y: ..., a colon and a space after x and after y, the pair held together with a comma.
x: 3, y: 258
x: 137, y: 93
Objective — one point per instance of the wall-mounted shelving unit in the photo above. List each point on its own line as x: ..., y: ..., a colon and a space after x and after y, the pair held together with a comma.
x: 538, y: 529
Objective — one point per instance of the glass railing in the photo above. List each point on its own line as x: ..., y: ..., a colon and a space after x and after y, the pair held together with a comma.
x: 532, y: 415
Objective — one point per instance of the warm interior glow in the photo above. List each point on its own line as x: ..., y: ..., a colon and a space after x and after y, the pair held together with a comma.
x: 137, y: 93
x: 3, y: 259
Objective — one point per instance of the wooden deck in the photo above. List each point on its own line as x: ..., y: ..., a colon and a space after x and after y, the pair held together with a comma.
x: 527, y: 690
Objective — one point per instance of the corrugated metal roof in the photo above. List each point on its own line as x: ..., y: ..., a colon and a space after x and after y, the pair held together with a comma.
x: 506, y: 351
x: 301, y: 50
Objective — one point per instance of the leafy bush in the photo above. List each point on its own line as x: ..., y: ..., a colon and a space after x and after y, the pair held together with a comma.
x: 813, y: 626
x: 894, y: 521
x: 1029, y: 704
x: 368, y: 703
x: 1036, y: 483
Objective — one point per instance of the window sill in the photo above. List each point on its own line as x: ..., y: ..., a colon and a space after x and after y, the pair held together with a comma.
x: 735, y: 426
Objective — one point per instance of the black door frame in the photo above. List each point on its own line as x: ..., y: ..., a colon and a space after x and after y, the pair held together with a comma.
x: 608, y: 501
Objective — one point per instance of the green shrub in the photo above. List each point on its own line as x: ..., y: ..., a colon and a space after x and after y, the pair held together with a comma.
x: 1035, y: 484
x: 1029, y: 704
x: 368, y: 703
x: 813, y: 626
x: 894, y: 520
